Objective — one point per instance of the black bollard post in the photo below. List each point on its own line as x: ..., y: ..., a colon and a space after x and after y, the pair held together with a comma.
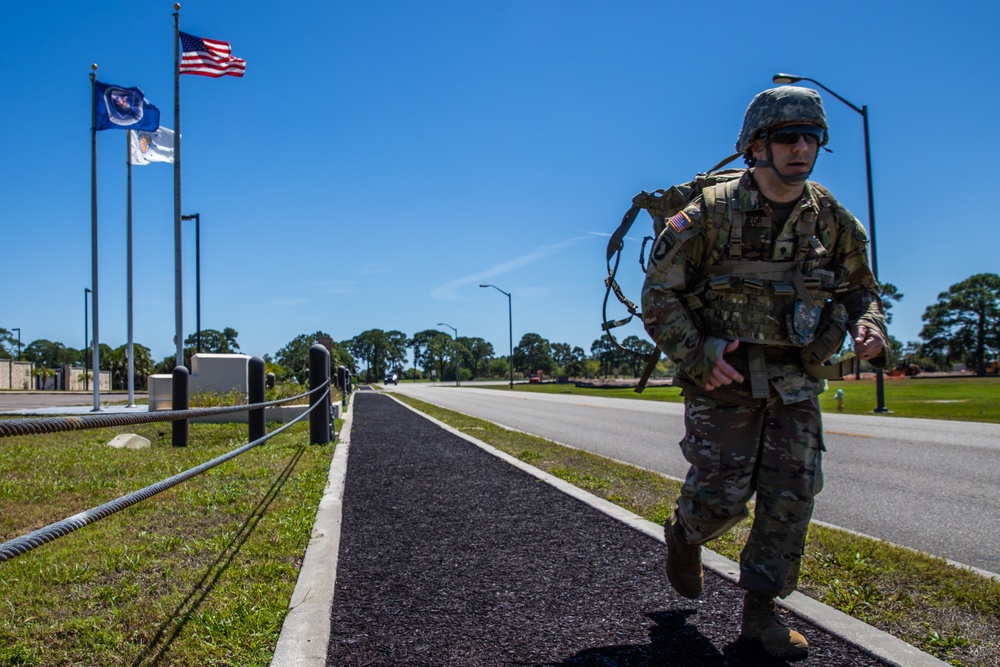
x: 342, y: 385
x: 255, y: 394
x: 179, y: 387
x: 319, y: 416
x: 270, y: 380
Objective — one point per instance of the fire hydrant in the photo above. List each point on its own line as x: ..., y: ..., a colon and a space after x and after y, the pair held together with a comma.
x: 840, y: 400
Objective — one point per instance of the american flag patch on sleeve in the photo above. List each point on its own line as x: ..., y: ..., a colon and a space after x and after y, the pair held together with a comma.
x: 679, y: 222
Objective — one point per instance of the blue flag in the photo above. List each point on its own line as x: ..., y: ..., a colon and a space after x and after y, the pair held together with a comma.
x: 124, y: 109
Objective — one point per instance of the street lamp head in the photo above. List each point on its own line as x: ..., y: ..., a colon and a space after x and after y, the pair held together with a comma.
x: 87, y: 290
x: 445, y: 324
x: 786, y: 78
x: 507, y: 294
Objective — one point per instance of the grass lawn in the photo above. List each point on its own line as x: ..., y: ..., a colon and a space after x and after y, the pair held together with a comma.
x: 200, y: 574
x: 958, y: 399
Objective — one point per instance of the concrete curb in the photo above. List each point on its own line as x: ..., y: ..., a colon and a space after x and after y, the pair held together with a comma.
x: 305, y: 634
x: 892, y: 650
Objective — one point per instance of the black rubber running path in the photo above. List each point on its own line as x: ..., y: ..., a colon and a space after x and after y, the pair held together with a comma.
x: 451, y: 556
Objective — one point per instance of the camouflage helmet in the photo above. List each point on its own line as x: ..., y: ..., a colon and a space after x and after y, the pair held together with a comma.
x: 783, y: 105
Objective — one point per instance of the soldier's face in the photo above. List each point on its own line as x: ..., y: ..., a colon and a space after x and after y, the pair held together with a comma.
x: 790, y: 158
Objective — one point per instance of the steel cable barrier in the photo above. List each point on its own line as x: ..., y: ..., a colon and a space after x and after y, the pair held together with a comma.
x: 43, y: 425
x: 318, y: 382
x: 25, y: 543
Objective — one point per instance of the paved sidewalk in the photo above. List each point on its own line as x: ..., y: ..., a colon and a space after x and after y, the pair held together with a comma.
x: 51, y: 403
x: 442, y: 552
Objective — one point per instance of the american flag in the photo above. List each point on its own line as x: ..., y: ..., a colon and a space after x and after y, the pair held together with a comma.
x: 209, y: 57
x: 679, y: 221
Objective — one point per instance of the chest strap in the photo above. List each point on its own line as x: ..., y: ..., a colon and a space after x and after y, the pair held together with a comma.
x: 779, y: 272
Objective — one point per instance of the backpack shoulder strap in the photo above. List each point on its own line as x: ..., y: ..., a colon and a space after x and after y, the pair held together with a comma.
x: 826, y: 200
x: 829, y: 202
x: 725, y: 162
x: 724, y: 212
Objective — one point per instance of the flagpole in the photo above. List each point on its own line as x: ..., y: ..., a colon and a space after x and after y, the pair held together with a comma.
x: 93, y: 237
x: 128, y: 282
x: 178, y: 285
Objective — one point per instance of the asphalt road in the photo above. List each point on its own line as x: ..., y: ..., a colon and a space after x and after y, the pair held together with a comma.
x: 926, y: 484
x: 31, y: 400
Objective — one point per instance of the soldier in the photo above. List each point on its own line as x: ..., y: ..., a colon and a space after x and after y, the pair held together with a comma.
x: 750, y: 290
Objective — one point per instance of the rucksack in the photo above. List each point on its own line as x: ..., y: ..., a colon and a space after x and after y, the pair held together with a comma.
x: 661, y: 205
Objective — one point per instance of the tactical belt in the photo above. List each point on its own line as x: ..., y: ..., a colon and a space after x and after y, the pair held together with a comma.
x: 835, y: 371
x: 759, y: 387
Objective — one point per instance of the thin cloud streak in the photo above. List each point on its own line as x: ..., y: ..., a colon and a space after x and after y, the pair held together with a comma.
x: 449, y: 291
x: 289, y: 302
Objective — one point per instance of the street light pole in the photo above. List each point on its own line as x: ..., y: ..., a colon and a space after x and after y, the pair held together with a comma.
x: 863, y: 110
x: 86, y: 344
x: 197, y: 275
x: 10, y: 367
x: 510, y: 331
x: 442, y: 324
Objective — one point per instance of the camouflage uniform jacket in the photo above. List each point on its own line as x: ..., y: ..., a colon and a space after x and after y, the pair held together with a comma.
x: 685, y: 248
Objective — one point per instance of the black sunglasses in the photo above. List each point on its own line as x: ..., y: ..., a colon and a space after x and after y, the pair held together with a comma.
x: 792, y: 138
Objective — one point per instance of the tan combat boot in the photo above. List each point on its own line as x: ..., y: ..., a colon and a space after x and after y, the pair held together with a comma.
x: 683, y: 561
x: 760, y: 623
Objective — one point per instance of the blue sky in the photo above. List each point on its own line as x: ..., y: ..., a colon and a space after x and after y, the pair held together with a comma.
x: 382, y: 159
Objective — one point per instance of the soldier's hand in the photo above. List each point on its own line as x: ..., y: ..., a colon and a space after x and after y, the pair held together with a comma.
x: 724, y: 373
x: 868, y: 342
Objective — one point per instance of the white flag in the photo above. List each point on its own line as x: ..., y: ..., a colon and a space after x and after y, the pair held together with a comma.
x: 146, y: 147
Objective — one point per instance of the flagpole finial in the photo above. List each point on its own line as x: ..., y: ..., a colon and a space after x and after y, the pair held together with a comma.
x: 94, y: 67
x: 177, y: 6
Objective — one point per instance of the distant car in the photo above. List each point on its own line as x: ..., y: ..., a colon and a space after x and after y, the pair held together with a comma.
x: 391, y: 378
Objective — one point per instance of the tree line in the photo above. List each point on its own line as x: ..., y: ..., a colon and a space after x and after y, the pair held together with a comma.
x: 372, y: 354
x: 438, y: 355
x: 962, y: 326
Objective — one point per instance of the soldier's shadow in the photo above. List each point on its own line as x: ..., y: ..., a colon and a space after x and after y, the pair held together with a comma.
x: 674, y: 642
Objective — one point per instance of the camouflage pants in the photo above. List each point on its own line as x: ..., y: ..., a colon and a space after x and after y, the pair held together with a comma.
x: 773, y: 450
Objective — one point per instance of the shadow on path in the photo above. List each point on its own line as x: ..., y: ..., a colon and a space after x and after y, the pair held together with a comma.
x: 674, y: 641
